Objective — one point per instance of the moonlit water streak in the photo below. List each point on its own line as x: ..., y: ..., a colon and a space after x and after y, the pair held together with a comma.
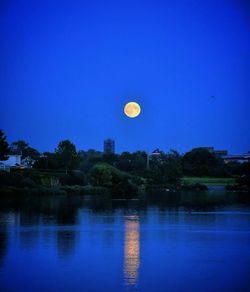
x: 131, y: 251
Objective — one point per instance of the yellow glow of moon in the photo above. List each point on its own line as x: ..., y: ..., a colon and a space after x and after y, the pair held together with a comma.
x: 132, y: 109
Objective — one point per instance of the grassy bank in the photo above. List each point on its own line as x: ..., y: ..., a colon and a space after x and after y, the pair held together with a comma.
x: 209, y: 181
x: 47, y: 191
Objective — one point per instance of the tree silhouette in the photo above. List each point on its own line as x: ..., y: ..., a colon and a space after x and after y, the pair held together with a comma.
x: 4, y: 146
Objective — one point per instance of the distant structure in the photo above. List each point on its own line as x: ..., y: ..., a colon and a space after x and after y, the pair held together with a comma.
x: 109, y: 146
x: 156, y: 153
x: 220, y: 153
x: 240, y: 158
x: 223, y: 154
x: 13, y: 160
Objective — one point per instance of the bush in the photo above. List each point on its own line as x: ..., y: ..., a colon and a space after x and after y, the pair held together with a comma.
x: 27, y: 182
x: 196, y: 187
x: 35, y: 191
x: 101, y: 175
x: 10, y: 179
x: 118, y: 181
x: 201, y: 162
x: 124, y: 187
x: 244, y: 180
x: 73, y: 179
x: 85, y: 190
x: 47, y: 191
x: 90, y: 190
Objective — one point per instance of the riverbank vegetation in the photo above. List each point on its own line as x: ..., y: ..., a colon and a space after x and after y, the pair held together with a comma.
x: 67, y: 170
x: 209, y: 181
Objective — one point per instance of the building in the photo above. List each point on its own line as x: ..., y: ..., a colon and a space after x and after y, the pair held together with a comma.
x: 13, y: 160
x: 28, y: 162
x: 241, y: 158
x: 217, y: 153
x: 156, y: 153
x: 220, y: 153
x: 223, y: 154
x: 109, y: 146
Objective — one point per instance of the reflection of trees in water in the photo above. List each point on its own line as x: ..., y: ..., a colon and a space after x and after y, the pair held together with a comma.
x: 3, y: 244
x: 190, y: 199
x: 62, y: 210
x: 99, y: 204
x: 66, y: 215
x: 131, y: 251
x: 29, y: 238
x: 66, y: 242
x: 44, y: 210
x: 29, y: 217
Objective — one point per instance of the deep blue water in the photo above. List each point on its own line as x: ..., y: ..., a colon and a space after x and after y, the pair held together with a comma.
x: 159, y: 244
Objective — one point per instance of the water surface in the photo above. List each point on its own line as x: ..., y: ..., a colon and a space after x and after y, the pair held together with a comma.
x: 163, y: 242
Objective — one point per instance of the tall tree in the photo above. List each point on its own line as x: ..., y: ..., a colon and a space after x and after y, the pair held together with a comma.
x: 47, y: 160
x: 166, y: 167
x: 125, y: 161
x: 19, y: 146
x: 67, y: 155
x: 24, y: 149
x: 88, y: 159
x: 4, y: 146
x: 199, y: 162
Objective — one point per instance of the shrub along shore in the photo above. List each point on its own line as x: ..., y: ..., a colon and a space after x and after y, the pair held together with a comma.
x: 102, y: 179
x: 68, y: 170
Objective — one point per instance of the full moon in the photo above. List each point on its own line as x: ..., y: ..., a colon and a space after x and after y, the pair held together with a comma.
x: 132, y: 109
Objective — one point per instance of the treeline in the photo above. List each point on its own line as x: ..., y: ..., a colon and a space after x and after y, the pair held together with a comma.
x: 197, y: 162
x: 125, y: 169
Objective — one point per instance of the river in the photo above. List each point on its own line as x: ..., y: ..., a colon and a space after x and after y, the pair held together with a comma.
x: 160, y: 242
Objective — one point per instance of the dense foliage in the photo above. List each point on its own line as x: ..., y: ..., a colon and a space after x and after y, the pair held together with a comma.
x: 66, y: 154
x: 4, y: 146
x: 105, y: 175
x: 23, y: 148
x: 201, y: 162
x: 121, y: 173
x: 165, y: 168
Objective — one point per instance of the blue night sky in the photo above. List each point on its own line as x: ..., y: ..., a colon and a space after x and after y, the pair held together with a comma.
x: 68, y: 68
